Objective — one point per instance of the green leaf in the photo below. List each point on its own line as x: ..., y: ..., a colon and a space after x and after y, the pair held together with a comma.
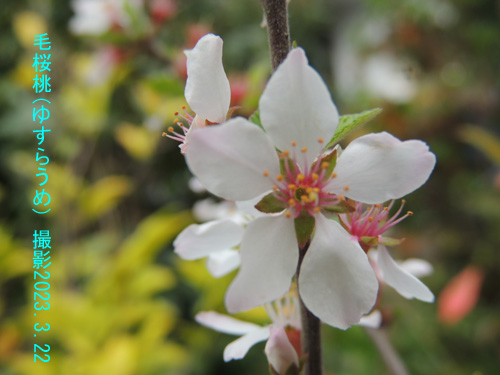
x: 331, y: 159
x: 270, y: 204
x: 340, y: 208
x: 255, y: 118
x: 304, y: 227
x: 349, y: 123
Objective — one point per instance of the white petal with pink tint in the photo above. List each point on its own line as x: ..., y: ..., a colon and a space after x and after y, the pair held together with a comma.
x: 336, y: 282
x: 372, y: 320
x: 222, y: 262
x: 269, y: 256
x: 199, y: 240
x: 296, y: 106
x: 279, y: 351
x: 417, y: 267
x: 239, y: 348
x: 401, y: 280
x: 230, y: 159
x: 225, y: 324
x: 378, y: 167
x: 207, y: 87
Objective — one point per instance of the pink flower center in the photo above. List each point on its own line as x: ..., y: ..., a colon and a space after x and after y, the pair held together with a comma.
x: 373, y: 221
x: 302, y: 189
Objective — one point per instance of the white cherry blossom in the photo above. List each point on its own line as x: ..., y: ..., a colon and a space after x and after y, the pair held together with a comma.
x: 281, y: 335
x: 207, y: 89
x: 238, y: 161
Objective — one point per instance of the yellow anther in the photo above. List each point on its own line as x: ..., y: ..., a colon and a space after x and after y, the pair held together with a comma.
x: 410, y: 213
x: 288, y: 215
x: 301, y: 177
x: 170, y: 129
x: 386, y: 208
x: 309, y: 190
x: 316, y: 190
x: 176, y: 120
x: 370, y: 219
x: 317, y: 209
x: 266, y: 173
x: 403, y: 201
x: 314, y: 176
x: 292, y: 187
x: 286, y: 153
x: 304, y: 149
x: 346, y: 188
x: 183, y: 107
x: 164, y: 134
x: 275, y: 187
x: 377, y: 205
x: 321, y: 140
x: 294, y: 143
x: 341, y: 197
x: 304, y: 198
x: 279, y: 177
x: 325, y: 165
x: 176, y: 113
x: 291, y: 202
x: 334, y: 175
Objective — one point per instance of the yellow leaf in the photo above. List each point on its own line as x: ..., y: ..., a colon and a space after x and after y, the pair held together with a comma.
x: 138, y: 141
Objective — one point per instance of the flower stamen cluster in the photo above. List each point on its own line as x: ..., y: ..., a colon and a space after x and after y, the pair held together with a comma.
x: 373, y: 221
x: 302, y: 188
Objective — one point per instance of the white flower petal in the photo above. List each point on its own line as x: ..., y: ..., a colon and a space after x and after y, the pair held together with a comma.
x: 269, y: 255
x: 372, y: 320
x: 336, y: 282
x: 224, y: 323
x: 207, y: 87
x: 378, y: 167
x: 239, y: 348
x: 296, y: 106
x: 199, y: 240
x: 279, y: 351
x: 230, y: 159
x: 417, y: 267
x: 402, y: 281
x: 223, y: 262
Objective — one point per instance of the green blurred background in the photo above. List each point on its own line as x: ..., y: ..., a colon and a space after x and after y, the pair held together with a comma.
x: 121, y: 302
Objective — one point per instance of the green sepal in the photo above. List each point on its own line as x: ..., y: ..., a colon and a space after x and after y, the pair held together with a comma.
x: 255, y: 119
x: 389, y: 241
x: 270, y: 204
x: 370, y: 240
x: 339, y: 208
x: 349, y: 123
x: 331, y: 159
x: 304, y: 227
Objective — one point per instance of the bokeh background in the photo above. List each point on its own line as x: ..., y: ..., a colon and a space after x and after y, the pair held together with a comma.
x: 121, y: 302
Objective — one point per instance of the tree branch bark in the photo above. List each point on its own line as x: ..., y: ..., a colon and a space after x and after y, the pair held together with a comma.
x: 276, y: 13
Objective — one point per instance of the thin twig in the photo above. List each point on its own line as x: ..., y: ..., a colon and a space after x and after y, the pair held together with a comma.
x: 391, y: 358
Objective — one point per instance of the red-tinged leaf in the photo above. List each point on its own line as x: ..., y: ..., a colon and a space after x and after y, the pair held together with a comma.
x: 270, y: 204
x: 304, y: 227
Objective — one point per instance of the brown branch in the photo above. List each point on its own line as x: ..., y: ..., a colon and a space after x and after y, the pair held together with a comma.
x: 276, y: 14
x: 311, y: 331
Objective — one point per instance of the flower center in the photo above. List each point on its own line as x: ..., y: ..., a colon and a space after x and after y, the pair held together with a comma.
x: 301, y: 188
x: 373, y: 221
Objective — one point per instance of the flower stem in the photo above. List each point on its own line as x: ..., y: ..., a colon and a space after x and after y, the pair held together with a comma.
x: 276, y: 14
x: 311, y: 331
x: 391, y: 358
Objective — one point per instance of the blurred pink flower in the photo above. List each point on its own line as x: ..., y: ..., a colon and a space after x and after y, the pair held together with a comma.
x: 460, y: 295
